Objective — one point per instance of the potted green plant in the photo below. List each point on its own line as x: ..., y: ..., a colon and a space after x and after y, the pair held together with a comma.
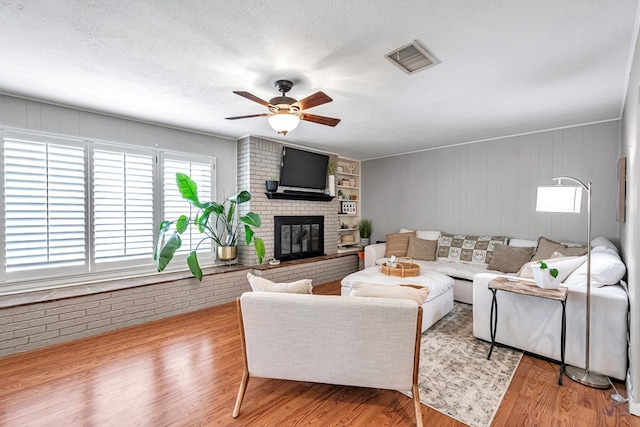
x: 272, y: 184
x: 365, y: 228
x: 224, y: 230
x: 545, y: 277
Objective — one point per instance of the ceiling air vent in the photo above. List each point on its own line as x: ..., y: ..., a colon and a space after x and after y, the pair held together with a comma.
x: 412, y: 58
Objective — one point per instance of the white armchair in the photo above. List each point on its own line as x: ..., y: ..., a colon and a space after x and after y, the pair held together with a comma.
x: 323, y: 339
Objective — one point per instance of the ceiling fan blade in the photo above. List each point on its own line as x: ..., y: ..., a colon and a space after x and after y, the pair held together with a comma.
x: 251, y: 97
x: 246, y: 117
x: 328, y: 121
x: 314, y: 100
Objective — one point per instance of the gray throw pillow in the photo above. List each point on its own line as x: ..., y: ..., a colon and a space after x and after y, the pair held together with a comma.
x: 422, y: 249
x: 547, y: 247
x: 509, y: 259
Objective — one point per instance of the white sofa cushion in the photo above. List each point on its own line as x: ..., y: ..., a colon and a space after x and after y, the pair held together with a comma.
x: 423, y: 234
x: 260, y: 284
x: 606, y: 269
x: 523, y: 243
x: 418, y: 294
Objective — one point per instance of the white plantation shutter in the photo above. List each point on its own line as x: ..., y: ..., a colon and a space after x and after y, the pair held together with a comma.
x: 44, y: 203
x: 175, y: 205
x: 123, y: 205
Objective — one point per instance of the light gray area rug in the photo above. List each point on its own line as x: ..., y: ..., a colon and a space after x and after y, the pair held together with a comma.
x: 455, y: 377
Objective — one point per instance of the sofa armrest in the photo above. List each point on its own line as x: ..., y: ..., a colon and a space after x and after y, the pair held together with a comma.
x: 373, y: 253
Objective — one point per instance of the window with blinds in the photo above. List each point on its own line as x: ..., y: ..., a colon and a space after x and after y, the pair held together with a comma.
x: 74, y: 207
x: 122, y: 205
x: 44, y: 203
x: 175, y: 205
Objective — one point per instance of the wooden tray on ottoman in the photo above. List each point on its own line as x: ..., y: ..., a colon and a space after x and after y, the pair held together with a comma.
x: 403, y: 269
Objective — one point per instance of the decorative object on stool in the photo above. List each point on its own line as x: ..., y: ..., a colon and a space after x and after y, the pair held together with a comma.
x: 567, y: 199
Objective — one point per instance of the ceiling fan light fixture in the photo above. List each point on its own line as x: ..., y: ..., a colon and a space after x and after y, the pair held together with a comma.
x: 283, y: 122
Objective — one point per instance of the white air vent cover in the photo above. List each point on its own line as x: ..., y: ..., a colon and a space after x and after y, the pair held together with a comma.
x: 412, y: 58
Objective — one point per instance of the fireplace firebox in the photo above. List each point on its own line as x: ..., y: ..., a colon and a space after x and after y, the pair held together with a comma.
x: 298, y: 237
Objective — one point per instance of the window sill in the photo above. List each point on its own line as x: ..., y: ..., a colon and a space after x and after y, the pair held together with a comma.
x: 94, y: 287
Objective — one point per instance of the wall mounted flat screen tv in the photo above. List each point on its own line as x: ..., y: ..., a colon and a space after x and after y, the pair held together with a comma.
x: 303, y: 169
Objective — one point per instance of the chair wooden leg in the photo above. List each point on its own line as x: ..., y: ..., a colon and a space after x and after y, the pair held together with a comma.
x: 243, y: 388
x: 416, y: 403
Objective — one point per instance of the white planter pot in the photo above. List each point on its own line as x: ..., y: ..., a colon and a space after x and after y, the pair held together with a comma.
x: 543, y: 279
x: 332, y: 185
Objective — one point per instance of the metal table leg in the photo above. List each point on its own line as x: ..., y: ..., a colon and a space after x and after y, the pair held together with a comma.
x: 493, y: 322
x: 563, y: 334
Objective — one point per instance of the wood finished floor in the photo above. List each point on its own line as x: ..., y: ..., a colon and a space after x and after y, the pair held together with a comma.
x: 185, y: 371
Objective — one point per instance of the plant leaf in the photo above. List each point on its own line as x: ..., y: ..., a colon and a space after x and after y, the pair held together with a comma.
x: 167, y: 251
x: 232, y: 211
x: 553, y: 272
x: 164, y: 226
x: 188, y: 188
x: 258, y: 244
x: 248, y: 233
x: 252, y: 219
x: 194, y: 265
x: 241, y: 197
x: 182, y: 224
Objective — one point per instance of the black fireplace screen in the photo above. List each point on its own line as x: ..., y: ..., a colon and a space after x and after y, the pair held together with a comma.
x: 298, y: 237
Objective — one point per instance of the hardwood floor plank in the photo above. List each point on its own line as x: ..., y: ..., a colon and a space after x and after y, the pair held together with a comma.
x: 186, y: 371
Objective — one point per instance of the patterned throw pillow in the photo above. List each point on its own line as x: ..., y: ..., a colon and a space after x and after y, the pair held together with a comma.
x: 398, y: 244
x: 468, y: 248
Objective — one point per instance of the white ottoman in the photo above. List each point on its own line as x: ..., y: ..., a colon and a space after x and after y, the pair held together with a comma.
x: 438, y: 303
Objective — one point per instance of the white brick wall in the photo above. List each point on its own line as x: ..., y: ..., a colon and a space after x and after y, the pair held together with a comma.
x: 30, y: 326
x: 35, y: 325
x: 258, y: 160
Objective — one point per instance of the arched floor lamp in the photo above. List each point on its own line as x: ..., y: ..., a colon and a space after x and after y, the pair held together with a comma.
x: 567, y: 199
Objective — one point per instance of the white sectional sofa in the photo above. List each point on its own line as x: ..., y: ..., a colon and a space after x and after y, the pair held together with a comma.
x: 533, y: 324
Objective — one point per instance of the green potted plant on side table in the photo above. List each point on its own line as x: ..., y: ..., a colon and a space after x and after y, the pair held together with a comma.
x: 545, y: 277
x: 224, y: 231
x: 365, y: 228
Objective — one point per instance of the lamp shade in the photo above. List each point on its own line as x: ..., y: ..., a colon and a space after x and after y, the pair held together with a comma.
x: 283, y: 122
x: 559, y: 199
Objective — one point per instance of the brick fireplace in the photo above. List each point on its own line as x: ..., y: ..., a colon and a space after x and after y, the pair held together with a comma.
x: 259, y: 160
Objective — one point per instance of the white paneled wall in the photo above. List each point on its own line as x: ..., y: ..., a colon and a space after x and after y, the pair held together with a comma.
x: 490, y: 187
x: 38, y: 116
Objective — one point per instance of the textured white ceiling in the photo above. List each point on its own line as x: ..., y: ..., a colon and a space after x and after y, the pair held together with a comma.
x: 507, y: 66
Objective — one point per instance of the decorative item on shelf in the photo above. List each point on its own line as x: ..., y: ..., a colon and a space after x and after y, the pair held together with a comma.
x: 340, y: 194
x: 365, y: 227
x: 344, y: 182
x: 224, y: 231
x: 347, y: 239
x: 340, y: 169
x: 274, y: 261
x: 331, y: 170
x: 351, y: 168
x: 272, y: 184
x: 352, y: 182
x: 348, y: 207
x: 398, y: 268
x: 545, y: 277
